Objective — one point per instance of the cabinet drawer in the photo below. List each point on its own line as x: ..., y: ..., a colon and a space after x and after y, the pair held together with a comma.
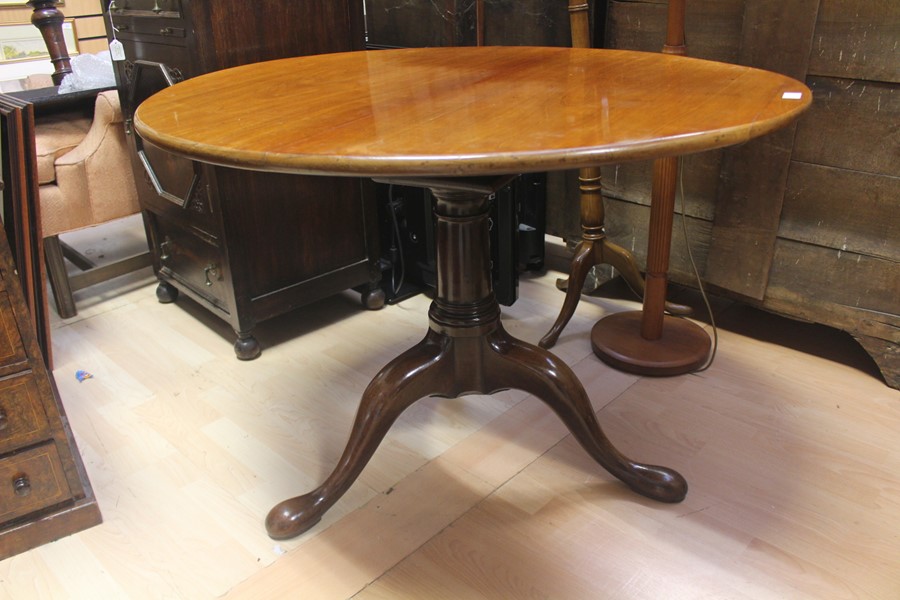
x: 140, y: 28
x: 31, y: 480
x: 152, y: 9
x: 12, y: 351
x: 22, y: 417
x: 192, y: 261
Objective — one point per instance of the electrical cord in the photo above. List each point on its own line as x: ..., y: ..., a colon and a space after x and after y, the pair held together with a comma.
x: 396, y: 250
x: 687, y: 243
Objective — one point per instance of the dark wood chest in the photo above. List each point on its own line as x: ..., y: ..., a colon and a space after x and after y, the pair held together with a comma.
x: 246, y: 245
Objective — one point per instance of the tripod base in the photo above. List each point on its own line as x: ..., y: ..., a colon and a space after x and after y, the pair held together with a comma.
x: 617, y: 341
x: 466, y: 351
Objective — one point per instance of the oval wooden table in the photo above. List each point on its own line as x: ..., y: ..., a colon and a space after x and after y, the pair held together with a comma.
x: 461, y: 122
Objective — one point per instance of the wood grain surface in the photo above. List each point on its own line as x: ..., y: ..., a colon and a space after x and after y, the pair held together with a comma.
x: 465, y: 111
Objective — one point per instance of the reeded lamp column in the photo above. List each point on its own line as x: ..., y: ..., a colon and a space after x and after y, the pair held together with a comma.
x: 650, y: 342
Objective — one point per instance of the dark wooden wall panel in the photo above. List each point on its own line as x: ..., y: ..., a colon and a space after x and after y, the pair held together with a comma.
x: 712, y: 27
x: 857, y: 39
x: 628, y: 225
x: 840, y: 289
x: 848, y: 289
x: 844, y: 210
x: 241, y: 32
x: 748, y: 205
x: 853, y: 125
x: 632, y: 182
x: 526, y: 23
x: 401, y: 23
x: 562, y: 216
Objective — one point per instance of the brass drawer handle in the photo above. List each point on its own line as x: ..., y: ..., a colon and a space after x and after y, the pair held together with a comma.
x: 4, y: 420
x: 22, y: 485
x: 164, y: 248
x: 165, y: 31
x: 211, y: 269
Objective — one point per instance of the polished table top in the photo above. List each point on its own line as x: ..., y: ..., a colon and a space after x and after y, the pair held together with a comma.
x: 465, y: 111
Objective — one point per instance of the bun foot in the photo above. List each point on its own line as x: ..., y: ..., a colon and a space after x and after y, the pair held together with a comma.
x: 247, y: 347
x: 657, y: 483
x: 373, y: 299
x: 292, y: 517
x: 166, y: 293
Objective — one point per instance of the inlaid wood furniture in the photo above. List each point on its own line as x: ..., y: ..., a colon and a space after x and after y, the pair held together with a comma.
x: 20, y: 208
x: 432, y: 118
x: 44, y: 491
x: 246, y: 246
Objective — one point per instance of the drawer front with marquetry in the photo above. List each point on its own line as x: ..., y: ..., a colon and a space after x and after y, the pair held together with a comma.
x: 22, y: 417
x: 30, y: 481
x: 13, y: 358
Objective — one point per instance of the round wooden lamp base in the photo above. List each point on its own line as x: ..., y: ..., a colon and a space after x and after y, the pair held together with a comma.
x: 617, y: 341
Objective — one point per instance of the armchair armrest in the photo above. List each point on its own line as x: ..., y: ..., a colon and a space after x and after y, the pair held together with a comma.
x: 94, y: 180
x: 107, y: 116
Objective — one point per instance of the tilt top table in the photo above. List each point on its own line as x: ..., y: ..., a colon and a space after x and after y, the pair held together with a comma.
x: 461, y: 122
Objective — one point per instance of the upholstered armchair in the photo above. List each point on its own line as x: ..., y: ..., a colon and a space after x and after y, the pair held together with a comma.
x: 85, y: 179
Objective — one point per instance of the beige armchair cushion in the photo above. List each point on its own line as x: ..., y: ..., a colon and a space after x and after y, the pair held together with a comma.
x: 92, y: 181
x: 57, y: 135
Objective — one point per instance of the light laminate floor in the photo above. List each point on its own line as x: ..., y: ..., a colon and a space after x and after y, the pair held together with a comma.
x: 790, y: 443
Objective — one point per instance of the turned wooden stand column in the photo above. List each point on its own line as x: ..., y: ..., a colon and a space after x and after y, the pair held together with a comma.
x: 466, y: 351
x: 595, y: 248
x: 649, y: 342
x: 49, y: 19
